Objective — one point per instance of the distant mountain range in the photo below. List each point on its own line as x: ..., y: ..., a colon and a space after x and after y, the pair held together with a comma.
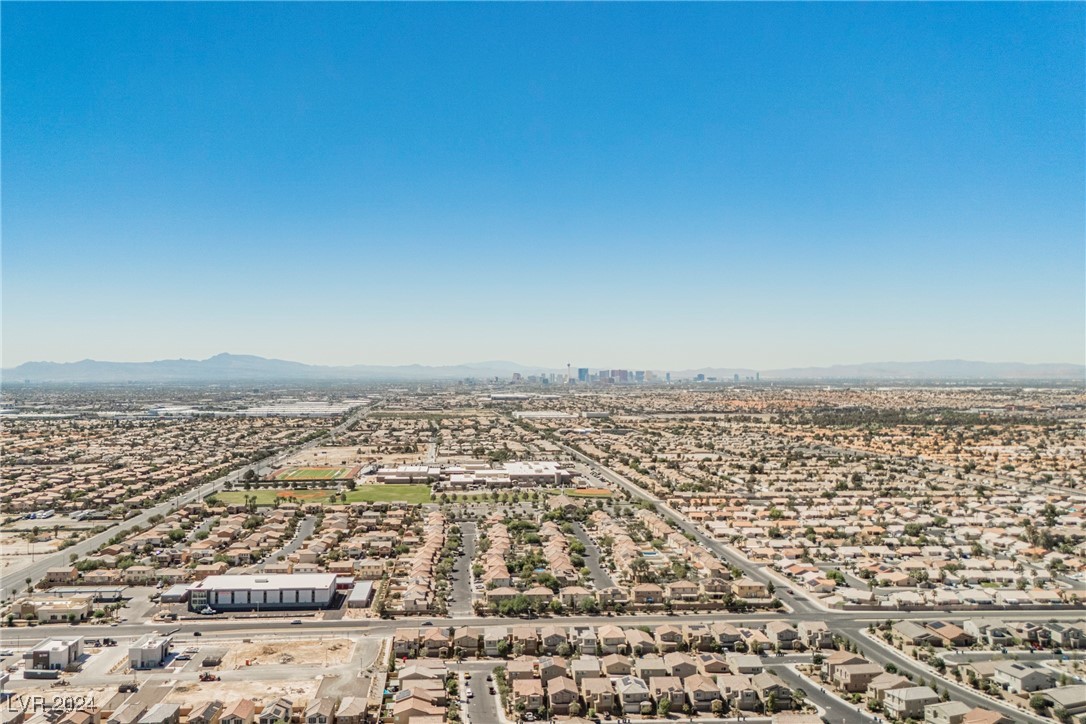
x: 244, y: 368
x: 952, y: 369
x: 238, y: 368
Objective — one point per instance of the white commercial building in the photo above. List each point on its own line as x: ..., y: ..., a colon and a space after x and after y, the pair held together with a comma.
x: 526, y: 473
x: 149, y: 651
x: 264, y: 592
x: 54, y: 654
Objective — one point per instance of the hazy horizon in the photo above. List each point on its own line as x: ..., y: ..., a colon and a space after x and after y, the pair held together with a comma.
x: 663, y: 186
x: 531, y: 365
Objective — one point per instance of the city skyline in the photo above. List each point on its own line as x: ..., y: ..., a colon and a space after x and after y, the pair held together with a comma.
x: 248, y: 368
x: 779, y: 185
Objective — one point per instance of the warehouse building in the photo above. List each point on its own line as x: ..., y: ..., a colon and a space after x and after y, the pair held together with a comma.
x: 280, y: 592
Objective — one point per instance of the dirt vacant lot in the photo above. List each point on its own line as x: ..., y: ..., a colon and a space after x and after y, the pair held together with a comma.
x: 329, y: 652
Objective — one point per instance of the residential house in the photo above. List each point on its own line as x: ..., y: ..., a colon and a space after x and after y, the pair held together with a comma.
x: 280, y: 710
x: 561, y: 692
x: 877, y: 688
x: 711, y: 664
x: 682, y: 591
x: 466, y: 638
x: 616, y: 665
x: 242, y: 711
x: 321, y: 711
x: 551, y: 667
x: 747, y: 588
x: 598, y: 694
x: 738, y: 690
x: 551, y: 637
x: 668, y: 687
x: 680, y: 664
x: 839, y: 658
x: 912, y: 633
x: 639, y: 642
x: 520, y: 668
x: 585, y: 667
x: 747, y: 664
x: 950, y: 635
x: 781, y: 635
x: 947, y: 712
x: 649, y: 666
x: 855, y: 678
x: 909, y: 703
x: 668, y: 638
x: 647, y: 594
x: 769, y: 686
x: 611, y: 639
x: 352, y: 710
x: 492, y: 641
x: 1019, y: 677
x: 632, y: 693
x: 701, y: 691
x: 525, y: 640
x: 815, y: 634
x: 528, y: 692
x: 725, y: 634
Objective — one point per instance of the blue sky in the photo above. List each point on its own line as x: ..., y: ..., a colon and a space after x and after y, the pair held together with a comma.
x: 659, y: 186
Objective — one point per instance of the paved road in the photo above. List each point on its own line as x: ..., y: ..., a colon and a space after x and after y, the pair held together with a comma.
x: 461, y: 575
x: 483, y: 707
x: 850, y: 624
x: 600, y: 577
x: 883, y: 654
x: 834, y: 709
x: 219, y: 632
x: 798, y: 603
x: 14, y: 580
x: 304, y: 530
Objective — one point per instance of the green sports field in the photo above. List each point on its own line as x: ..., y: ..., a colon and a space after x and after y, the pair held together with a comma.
x: 415, y: 494
x: 379, y: 493
x: 315, y: 473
